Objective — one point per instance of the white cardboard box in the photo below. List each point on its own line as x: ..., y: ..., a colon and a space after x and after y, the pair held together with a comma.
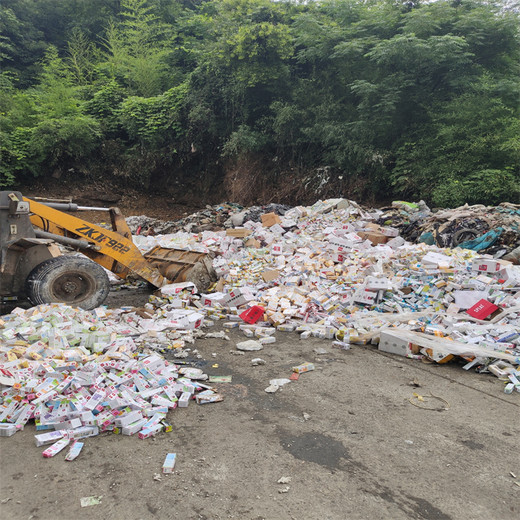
x: 392, y: 342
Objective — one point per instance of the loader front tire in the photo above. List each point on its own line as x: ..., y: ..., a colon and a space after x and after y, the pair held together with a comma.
x: 72, y: 280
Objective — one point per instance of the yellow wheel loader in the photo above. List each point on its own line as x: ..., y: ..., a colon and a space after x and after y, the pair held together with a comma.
x: 32, y: 266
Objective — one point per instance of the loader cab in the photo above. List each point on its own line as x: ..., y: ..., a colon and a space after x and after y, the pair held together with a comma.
x: 20, y: 250
x: 33, y: 268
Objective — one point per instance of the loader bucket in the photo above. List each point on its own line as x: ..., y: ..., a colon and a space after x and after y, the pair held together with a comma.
x: 183, y: 266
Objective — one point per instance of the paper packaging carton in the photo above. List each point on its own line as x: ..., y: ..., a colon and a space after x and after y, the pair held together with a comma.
x: 390, y: 232
x: 483, y: 310
x: 25, y: 414
x: 48, y: 438
x: 56, y: 448
x: 6, y: 430
x: 511, y: 276
x: 194, y: 320
x: 270, y: 274
x: 377, y: 284
x: 184, y: 399
x: 94, y: 401
x: 150, y: 432
x: 168, y: 427
x: 391, y: 342
x: 304, y: 367
x: 277, y: 249
x: 169, y: 463
x: 74, y: 451
x: 175, y: 288
x: 253, y: 242
x: 129, y: 418
x: 238, y: 297
x: 134, y: 427
x: 339, y: 244
x: 437, y: 259
x: 9, y: 409
x: 238, y: 232
x: 162, y: 401
x: 374, y: 236
x: 365, y: 296
x: 488, y: 265
x: 81, y: 433
x: 210, y: 300
x: 67, y: 425
x: 253, y: 314
x: 207, y: 397
x: 156, y: 419
x: 270, y: 219
x: 438, y: 357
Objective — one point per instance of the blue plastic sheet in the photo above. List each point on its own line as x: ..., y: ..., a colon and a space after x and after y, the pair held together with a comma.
x: 483, y: 241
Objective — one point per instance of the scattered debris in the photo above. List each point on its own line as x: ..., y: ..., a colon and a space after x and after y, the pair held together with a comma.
x: 304, y: 367
x: 91, y: 501
x: 220, y: 379
x: 169, y: 463
x: 284, y: 480
x: 421, y: 399
x: 343, y: 273
x: 250, y: 345
x: 279, y: 382
x: 257, y: 361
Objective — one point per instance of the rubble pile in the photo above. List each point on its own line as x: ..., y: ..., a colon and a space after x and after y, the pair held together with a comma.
x: 80, y: 373
x: 211, y: 218
x: 458, y: 227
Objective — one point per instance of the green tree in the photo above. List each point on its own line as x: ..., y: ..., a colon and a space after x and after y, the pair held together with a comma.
x: 136, y: 46
x: 45, y: 129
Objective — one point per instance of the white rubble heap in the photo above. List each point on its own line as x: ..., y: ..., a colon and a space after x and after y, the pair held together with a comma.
x: 325, y: 271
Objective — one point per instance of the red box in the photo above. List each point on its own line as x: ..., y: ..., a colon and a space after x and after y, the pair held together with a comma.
x: 253, y: 314
x: 483, y: 309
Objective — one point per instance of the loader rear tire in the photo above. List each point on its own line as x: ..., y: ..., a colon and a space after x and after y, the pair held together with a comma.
x: 73, y: 280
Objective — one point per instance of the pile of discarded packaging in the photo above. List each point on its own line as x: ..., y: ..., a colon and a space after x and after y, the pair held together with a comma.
x: 331, y: 271
x: 80, y: 373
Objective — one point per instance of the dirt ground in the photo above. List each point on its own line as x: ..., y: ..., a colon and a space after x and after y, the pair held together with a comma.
x: 361, y: 451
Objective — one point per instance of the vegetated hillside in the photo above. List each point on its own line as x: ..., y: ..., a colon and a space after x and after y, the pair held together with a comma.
x: 254, y: 100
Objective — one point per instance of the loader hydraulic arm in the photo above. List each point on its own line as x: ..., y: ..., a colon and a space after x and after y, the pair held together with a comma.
x: 111, y: 249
